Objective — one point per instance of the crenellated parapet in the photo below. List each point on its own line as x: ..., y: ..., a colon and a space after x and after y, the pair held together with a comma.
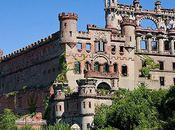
x: 30, y: 47
x: 64, y: 16
x: 128, y: 22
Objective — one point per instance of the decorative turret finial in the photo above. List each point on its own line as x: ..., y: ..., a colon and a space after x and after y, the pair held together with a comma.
x: 136, y: 4
x: 158, y: 5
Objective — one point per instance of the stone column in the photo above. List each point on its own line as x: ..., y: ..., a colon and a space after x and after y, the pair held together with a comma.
x: 172, y: 46
x: 161, y: 44
x: 138, y: 49
x: 111, y: 68
x: 149, y: 37
x: 101, y: 68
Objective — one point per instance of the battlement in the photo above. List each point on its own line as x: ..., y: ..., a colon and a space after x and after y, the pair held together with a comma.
x: 129, y: 22
x: 28, y: 48
x: 64, y: 16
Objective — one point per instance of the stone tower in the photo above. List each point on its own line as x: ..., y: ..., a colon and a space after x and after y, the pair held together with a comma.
x: 87, y: 92
x: 112, y: 19
x: 68, y: 28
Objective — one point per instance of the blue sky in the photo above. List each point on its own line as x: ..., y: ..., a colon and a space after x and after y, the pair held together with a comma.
x: 25, y: 21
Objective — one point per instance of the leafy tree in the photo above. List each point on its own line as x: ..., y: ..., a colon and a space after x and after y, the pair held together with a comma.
x: 100, y: 120
x: 27, y: 127
x: 7, y: 120
x: 108, y: 128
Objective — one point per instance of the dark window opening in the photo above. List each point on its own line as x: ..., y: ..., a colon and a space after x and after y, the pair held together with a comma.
x: 166, y: 46
x: 113, y: 49
x: 124, y: 70
x: 115, y: 68
x: 161, y: 65
x: 65, y: 25
x: 70, y: 33
x: 77, y: 67
x: 60, y: 108
x: 143, y: 45
x: 130, y: 38
x: 84, y: 105
x: 162, y: 81
x: 89, y: 104
x: 173, y: 66
x: 97, y: 66
x: 121, y: 49
x: 154, y: 45
x: 106, y: 67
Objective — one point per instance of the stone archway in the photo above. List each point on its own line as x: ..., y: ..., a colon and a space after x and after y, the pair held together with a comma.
x: 104, y: 86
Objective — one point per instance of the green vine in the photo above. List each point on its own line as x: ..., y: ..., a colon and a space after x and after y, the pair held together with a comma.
x: 149, y: 64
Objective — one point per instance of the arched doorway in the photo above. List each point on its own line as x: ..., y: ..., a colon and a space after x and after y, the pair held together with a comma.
x: 104, y: 86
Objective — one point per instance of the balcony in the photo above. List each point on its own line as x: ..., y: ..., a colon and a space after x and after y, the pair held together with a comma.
x: 103, y: 75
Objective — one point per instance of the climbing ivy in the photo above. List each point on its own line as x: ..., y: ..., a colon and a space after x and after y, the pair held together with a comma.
x: 149, y: 64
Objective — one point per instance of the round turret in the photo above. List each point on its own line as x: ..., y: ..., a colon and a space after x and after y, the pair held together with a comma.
x: 129, y: 26
x: 68, y: 27
x: 158, y: 6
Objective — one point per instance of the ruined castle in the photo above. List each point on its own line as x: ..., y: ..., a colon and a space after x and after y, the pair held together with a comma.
x: 112, y: 56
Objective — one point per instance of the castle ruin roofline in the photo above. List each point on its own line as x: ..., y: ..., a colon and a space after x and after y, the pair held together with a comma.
x: 33, y: 45
x: 64, y: 16
x: 128, y: 22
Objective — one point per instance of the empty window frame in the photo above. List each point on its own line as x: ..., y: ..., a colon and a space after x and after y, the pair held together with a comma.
x: 166, y: 45
x: 96, y: 66
x: 106, y: 67
x: 154, y: 46
x: 143, y: 44
x: 79, y: 46
x: 121, y: 49
x: 88, y: 47
x: 161, y: 65
x: 113, y: 49
x: 124, y: 70
x: 100, y: 46
x: 173, y: 64
x: 162, y: 81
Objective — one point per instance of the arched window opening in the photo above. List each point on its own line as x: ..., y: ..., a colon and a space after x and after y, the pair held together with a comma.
x: 77, y: 67
x: 148, y: 24
x: 87, y: 66
x: 124, y: 70
x: 104, y: 86
x: 167, y: 45
x: 96, y: 66
x: 143, y: 44
x: 115, y: 67
x: 154, y: 46
x: 106, y: 67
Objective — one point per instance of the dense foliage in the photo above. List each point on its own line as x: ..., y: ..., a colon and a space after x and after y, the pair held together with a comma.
x: 140, y: 109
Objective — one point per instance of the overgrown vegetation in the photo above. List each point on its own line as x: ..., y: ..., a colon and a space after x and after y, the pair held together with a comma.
x: 140, y: 109
x: 149, y: 64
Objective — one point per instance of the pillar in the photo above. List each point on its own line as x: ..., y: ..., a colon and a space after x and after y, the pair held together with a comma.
x: 149, y: 45
x: 138, y: 48
x: 161, y: 44
x: 111, y: 68
x: 101, y: 68
x: 172, y: 46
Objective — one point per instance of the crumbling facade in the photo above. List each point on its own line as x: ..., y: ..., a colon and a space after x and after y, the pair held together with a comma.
x: 113, y: 55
